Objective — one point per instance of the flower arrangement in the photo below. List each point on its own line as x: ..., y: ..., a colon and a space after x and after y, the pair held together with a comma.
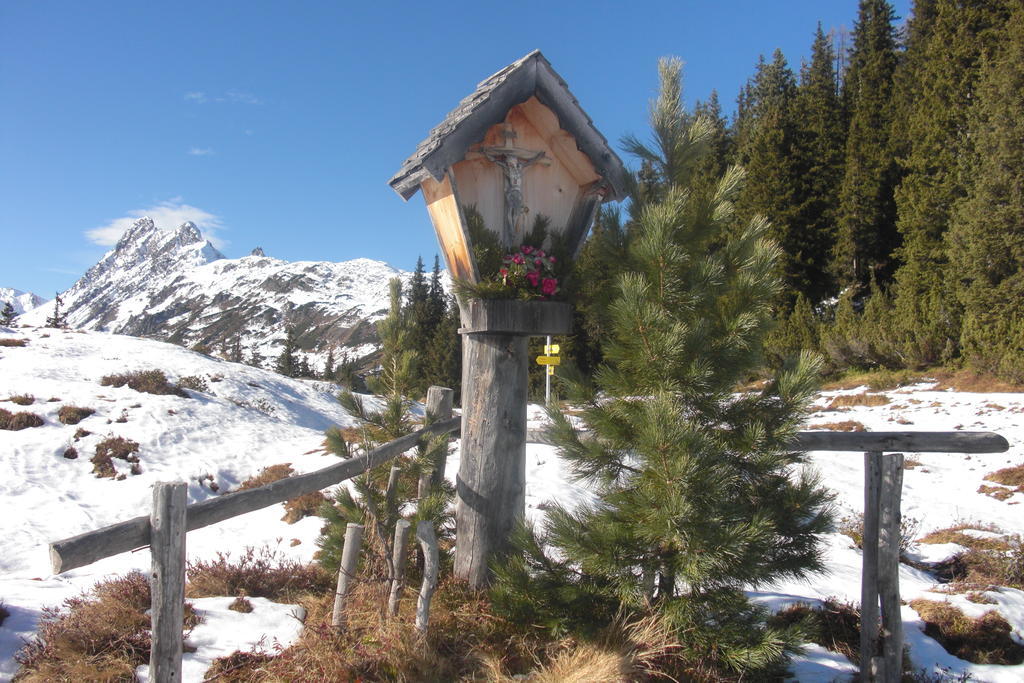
x: 530, y: 271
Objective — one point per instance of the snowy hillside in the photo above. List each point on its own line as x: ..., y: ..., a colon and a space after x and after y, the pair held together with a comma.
x: 247, y: 419
x: 175, y: 285
x: 21, y: 301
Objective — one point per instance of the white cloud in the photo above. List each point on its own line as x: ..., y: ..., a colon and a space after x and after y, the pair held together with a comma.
x: 166, y: 215
x: 196, y: 97
x: 200, y: 151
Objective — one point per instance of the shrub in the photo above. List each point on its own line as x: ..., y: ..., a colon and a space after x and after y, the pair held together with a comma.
x: 985, y: 640
x: 71, y: 453
x: 114, y: 447
x: 146, y: 381
x: 80, y: 433
x: 835, y: 625
x: 193, y: 382
x: 72, y: 415
x: 17, y: 421
x: 853, y: 526
x: 3, y: 613
x: 101, y: 635
x: 241, y: 604
x: 23, y: 399
x: 844, y: 426
x: 259, y: 574
x: 303, y: 506
x: 7, y: 341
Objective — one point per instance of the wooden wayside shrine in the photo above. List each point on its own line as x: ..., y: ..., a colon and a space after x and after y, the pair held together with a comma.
x: 517, y: 148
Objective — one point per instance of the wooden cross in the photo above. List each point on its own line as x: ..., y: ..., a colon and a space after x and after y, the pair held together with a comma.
x: 513, y: 161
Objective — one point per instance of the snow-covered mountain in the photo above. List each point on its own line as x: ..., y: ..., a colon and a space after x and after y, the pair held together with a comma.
x: 21, y: 301
x: 175, y: 285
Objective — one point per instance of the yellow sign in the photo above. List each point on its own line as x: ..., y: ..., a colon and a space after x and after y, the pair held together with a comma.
x: 551, y: 349
x: 551, y: 369
x: 549, y: 360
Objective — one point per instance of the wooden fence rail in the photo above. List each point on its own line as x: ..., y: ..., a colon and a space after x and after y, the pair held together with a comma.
x: 881, y: 650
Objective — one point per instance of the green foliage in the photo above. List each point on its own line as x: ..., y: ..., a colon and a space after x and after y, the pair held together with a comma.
x: 59, y: 319
x: 695, y: 498
x: 288, y: 362
x: 867, y: 233
x: 798, y: 330
x: 7, y: 315
x: 987, y: 243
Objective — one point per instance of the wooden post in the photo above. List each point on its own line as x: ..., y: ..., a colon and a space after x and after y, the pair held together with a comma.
x: 428, y: 541
x: 869, y: 572
x: 347, y: 571
x: 167, y: 582
x: 889, y: 566
x: 398, y: 561
x: 439, y: 407
x: 491, y: 484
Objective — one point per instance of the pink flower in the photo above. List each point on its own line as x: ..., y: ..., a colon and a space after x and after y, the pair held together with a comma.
x: 526, y: 249
x: 537, y: 261
x: 532, y: 277
x: 549, y: 286
x: 540, y: 253
x: 503, y: 272
x: 551, y: 259
x: 518, y: 259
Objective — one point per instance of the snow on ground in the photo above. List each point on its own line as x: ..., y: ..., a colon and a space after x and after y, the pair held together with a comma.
x: 252, y: 418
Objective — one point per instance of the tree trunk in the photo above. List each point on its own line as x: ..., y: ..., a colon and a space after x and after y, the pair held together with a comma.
x: 492, y: 468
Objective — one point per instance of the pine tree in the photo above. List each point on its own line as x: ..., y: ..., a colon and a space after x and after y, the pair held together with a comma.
x: 59, y: 319
x: 7, y: 315
x: 235, y: 354
x: 937, y: 89
x: 255, y: 358
x: 287, y: 362
x: 987, y: 233
x: 695, y: 497
x: 444, y: 350
x: 867, y: 236
x: 330, y: 367
x: 821, y: 137
x: 382, y: 493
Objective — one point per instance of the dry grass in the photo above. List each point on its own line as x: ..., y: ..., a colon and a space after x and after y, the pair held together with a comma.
x: 911, y: 463
x: 955, y: 534
x: 985, y: 640
x: 845, y: 426
x: 100, y: 635
x: 7, y: 341
x: 72, y: 415
x: 1008, y: 476
x: 998, y: 492
x: 876, y: 380
x: 835, y: 625
x: 267, y: 475
x: 862, y: 399
x: 852, y: 526
x: 260, y: 574
x: 114, y: 447
x: 974, y: 382
x: 71, y: 453
x: 980, y: 598
x: 17, y: 421
x: 303, y: 506
x: 241, y: 604
x: 22, y: 399
x: 146, y: 381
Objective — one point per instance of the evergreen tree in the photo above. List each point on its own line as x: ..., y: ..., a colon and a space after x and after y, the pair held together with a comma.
x: 59, y: 319
x: 330, y: 367
x: 937, y: 89
x: 987, y: 234
x: 867, y: 235
x: 235, y: 354
x: 7, y: 315
x: 444, y: 350
x: 255, y: 358
x: 288, y: 363
x: 821, y: 137
x: 695, y: 497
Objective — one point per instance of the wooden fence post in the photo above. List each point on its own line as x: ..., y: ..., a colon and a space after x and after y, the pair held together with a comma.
x: 428, y: 541
x: 439, y: 407
x: 398, y: 561
x: 889, y: 565
x: 347, y: 571
x: 167, y: 583
x: 869, y: 571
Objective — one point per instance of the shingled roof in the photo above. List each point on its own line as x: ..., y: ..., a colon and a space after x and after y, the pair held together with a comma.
x: 466, y: 125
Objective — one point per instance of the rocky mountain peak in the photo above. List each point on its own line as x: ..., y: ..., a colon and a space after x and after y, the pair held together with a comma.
x: 258, y: 251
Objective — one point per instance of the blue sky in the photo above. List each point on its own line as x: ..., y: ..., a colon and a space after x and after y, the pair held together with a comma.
x: 278, y: 124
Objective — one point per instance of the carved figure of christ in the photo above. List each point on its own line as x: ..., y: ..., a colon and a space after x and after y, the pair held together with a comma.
x: 513, y: 162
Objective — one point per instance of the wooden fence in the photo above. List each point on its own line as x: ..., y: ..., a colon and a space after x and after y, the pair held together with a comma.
x: 164, y: 529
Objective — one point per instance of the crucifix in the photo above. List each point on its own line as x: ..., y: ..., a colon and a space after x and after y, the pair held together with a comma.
x: 513, y: 161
